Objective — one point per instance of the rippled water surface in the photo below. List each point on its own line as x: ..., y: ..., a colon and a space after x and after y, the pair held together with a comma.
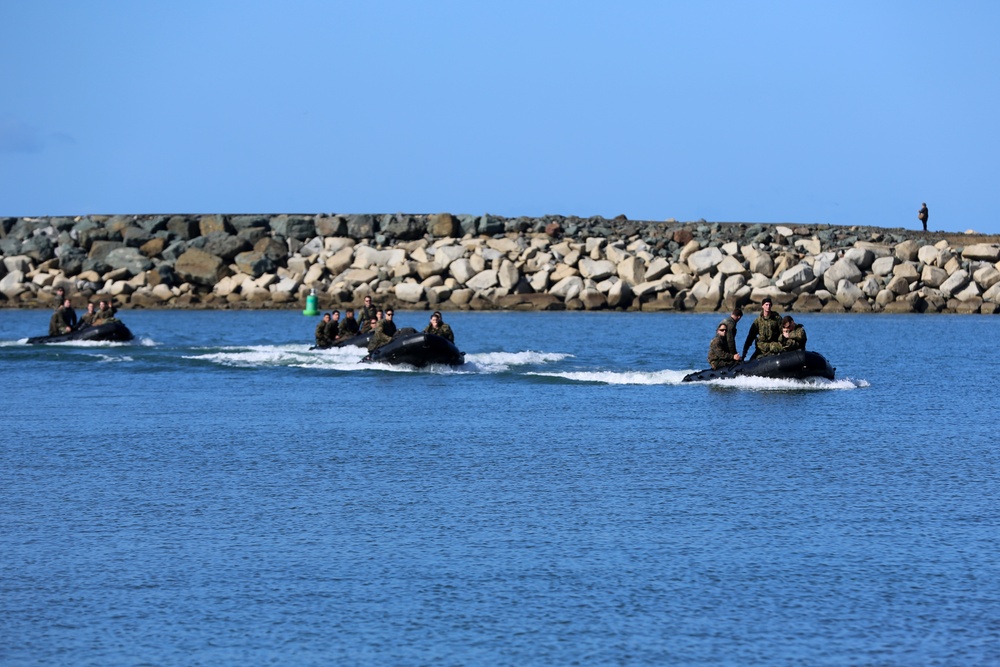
x: 216, y: 493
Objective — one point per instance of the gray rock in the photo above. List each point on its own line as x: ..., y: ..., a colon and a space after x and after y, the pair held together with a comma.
x: 135, y: 236
x: 255, y: 264
x: 71, y: 260
x: 987, y: 252
x: 955, y: 283
x: 129, y: 259
x: 183, y: 227
x: 843, y: 269
x: 243, y: 222
x: 199, y: 267
x: 222, y: 244
x: 40, y: 248
x: 331, y: 226
x: 403, y: 227
x: 361, y: 226
x: 293, y: 227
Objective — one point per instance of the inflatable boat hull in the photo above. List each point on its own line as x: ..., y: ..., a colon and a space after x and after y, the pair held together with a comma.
x: 796, y: 365
x: 418, y: 349
x: 112, y: 331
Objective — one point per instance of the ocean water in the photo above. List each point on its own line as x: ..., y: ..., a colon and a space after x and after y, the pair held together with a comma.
x: 215, y: 493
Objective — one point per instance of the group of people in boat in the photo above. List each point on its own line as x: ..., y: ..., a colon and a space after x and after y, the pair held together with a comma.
x: 770, y: 332
x: 64, y: 319
x: 332, y: 329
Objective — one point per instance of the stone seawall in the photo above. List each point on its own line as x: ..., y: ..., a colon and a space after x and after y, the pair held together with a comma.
x: 486, y: 262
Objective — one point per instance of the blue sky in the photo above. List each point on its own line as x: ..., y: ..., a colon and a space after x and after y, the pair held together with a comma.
x: 837, y: 112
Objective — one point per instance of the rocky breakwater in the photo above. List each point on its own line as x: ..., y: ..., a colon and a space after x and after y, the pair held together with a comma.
x: 487, y: 262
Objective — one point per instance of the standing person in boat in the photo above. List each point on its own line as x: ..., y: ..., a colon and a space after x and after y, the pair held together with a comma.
x: 718, y: 349
x: 333, y: 327
x: 349, y: 327
x: 88, y: 317
x: 321, y: 339
x: 730, y: 324
x: 764, y: 331
x: 793, y: 336
x: 366, y: 314
x: 439, y: 328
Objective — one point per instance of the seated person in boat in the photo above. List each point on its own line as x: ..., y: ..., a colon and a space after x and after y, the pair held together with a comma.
x: 58, y: 324
x: 69, y: 314
x: 793, y: 336
x: 765, y: 332
x: 384, y: 330
x: 321, y: 328
x: 105, y: 312
x: 718, y: 350
x: 333, y: 327
x: 439, y: 328
x: 88, y: 317
x: 349, y: 327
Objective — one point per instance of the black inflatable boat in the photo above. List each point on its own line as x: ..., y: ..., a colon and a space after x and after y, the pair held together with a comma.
x: 418, y: 349
x: 361, y: 340
x: 111, y: 331
x: 788, y: 365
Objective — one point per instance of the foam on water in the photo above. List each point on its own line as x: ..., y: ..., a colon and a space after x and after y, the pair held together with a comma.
x: 754, y: 383
x: 619, y: 377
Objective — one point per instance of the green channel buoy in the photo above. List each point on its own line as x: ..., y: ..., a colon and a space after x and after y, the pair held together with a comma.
x: 311, y: 304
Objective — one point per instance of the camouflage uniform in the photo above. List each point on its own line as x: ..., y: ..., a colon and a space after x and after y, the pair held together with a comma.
x: 57, y: 323
x: 796, y: 339
x: 718, y: 353
x: 730, y: 325
x: 321, y: 339
x: 332, y: 330
x: 88, y: 319
x: 349, y: 327
x: 442, y: 330
x: 381, y: 335
x: 365, y: 316
x: 765, y: 331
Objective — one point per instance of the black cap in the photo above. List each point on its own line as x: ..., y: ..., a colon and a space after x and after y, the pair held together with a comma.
x: 767, y: 299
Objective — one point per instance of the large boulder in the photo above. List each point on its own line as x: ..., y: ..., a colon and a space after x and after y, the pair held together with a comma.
x: 293, y: 227
x: 955, y: 283
x: 209, y: 224
x: 183, y: 227
x: 409, y: 292
x: 199, y: 267
x: 255, y: 263
x: 703, y: 261
x: 987, y: 252
x: 795, y: 277
x: 403, y: 227
x: 222, y: 244
x: 844, y: 269
x: 361, y: 226
x: 597, y: 270
x: 443, y: 225
x: 129, y: 259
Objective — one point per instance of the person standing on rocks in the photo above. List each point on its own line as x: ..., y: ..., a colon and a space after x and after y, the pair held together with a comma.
x: 764, y: 331
x: 730, y: 324
x: 922, y: 215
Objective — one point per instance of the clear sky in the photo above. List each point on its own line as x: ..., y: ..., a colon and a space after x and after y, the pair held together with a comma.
x: 814, y: 112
